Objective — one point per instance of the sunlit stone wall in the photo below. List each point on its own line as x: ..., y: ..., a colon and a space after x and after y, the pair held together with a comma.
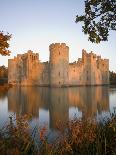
x: 26, y: 69
x: 90, y: 70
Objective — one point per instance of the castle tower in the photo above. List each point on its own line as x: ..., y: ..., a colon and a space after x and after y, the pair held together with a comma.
x: 103, y: 65
x: 12, y: 71
x: 32, y: 62
x: 59, y: 64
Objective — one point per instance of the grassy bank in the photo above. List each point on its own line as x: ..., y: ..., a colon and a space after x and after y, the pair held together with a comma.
x: 77, y: 138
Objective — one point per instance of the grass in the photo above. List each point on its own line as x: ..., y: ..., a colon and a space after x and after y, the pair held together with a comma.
x: 77, y: 138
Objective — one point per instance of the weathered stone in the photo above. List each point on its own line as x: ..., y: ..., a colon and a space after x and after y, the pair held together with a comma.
x: 26, y: 69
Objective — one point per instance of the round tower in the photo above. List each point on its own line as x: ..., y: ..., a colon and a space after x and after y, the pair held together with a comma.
x: 59, y: 64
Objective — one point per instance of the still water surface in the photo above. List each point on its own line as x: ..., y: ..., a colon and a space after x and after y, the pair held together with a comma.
x: 50, y: 105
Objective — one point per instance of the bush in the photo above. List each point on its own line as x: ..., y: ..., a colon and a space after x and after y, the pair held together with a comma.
x: 77, y: 138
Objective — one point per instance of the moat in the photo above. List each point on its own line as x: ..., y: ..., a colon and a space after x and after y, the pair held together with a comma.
x: 50, y: 105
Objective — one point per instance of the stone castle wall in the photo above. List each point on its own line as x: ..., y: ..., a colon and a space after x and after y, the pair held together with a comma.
x: 26, y: 69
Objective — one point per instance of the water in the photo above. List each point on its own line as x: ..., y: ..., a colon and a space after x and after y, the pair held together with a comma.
x: 50, y: 105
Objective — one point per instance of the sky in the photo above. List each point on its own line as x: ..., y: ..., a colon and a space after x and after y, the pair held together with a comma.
x: 35, y: 24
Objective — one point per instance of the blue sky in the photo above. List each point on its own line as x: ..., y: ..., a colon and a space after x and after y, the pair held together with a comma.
x: 35, y: 24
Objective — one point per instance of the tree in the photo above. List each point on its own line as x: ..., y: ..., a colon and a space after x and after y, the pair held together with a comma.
x: 112, y: 78
x: 4, y: 45
x: 3, y: 72
x: 99, y: 19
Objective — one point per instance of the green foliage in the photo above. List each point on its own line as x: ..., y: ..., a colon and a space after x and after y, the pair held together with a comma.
x: 112, y: 78
x: 3, y: 72
x: 99, y: 19
x: 4, y: 45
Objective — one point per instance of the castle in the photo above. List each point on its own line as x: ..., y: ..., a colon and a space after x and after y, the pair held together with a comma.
x: 27, y: 70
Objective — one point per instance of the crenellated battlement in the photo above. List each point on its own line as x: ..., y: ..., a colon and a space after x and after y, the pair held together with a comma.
x: 93, y: 58
x: 59, y: 52
x: 56, y: 46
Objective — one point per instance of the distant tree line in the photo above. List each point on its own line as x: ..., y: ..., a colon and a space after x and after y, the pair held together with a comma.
x: 3, y: 72
x: 3, y: 75
x: 112, y: 78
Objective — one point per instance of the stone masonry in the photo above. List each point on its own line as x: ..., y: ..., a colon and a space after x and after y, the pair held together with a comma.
x: 27, y: 70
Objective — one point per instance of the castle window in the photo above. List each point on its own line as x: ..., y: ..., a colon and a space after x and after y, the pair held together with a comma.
x: 59, y: 82
x: 74, y: 70
x: 59, y: 73
x: 59, y: 53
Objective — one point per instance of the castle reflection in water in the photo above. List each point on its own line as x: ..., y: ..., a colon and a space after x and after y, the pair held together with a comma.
x: 91, y: 101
